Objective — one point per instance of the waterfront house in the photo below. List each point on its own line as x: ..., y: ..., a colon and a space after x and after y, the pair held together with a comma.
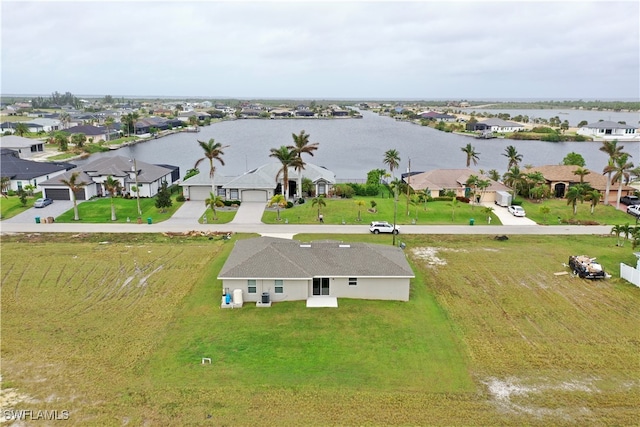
x: 97, y: 133
x: 500, y: 126
x: 439, y: 181
x: 22, y: 172
x: 130, y: 173
x: 25, y: 147
x: 290, y: 270
x: 610, y: 130
x: 32, y: 126
x: 257, y: 185
x: 560, y: 178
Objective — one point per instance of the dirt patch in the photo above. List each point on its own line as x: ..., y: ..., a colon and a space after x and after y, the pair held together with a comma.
x: 429, y: 254
x: 502, y: 392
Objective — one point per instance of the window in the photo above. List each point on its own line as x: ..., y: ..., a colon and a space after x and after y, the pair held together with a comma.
x: 222, y: 192
x: 279, y: 287
x: 251, y: 286
x: 234, y: 194
x: 353, y: 281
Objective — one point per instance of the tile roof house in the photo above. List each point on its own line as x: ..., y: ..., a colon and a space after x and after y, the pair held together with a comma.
x: 24, y: 172
x: 560, y: 177
x: 495, y: 125
x: 610, y: 130
x: 90, y: 131
x: 290, y: 270
x: 257, y: 185
x: 439, y: 181
x: 149, y: 178
x: 25, y: 147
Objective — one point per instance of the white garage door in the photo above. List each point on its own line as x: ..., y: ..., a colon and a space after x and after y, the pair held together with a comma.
x: 199, y: 193
x: 254, y: 196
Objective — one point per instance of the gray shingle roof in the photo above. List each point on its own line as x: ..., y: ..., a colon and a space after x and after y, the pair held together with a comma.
x: 20, y: 169
x: 606, y: 124
x: 267, y: 257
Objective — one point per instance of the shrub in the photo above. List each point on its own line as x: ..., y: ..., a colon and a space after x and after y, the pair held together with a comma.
x: 462, y: 199
x: 180, y: 198
x: 442, y: 199
x: 289, y: 205
x: 300, y: 201
x: 543, y: 129
x: 344, y: 191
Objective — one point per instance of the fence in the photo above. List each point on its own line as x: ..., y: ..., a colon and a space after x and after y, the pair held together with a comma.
x: 630, y: 274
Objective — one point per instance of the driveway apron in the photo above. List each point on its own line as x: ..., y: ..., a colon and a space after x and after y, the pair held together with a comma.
x: 249, y: 213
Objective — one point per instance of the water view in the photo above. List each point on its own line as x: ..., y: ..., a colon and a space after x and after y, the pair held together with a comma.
x: 352, y: 147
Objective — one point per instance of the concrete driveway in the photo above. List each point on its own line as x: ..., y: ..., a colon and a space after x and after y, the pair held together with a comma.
x: 505, y: 217
x: 55, y: 209
x: 249, y: 213
x: 188, y: 214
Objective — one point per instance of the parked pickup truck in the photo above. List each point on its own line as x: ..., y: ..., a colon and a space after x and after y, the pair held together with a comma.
x: 630, y: 200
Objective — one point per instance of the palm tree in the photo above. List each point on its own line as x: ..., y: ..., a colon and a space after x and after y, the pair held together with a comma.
x: 511, y: 153
x: 545, y: 210
x: 620, y: 169
x: 279, y: 201
x: 472, y: 156
x: 487, y: 210
x: 472, y: 184
x: 581, y: 172
x: 21, y: 129
x: 212, y: 151
x: 300, y: 146
x: 5, y: 184
x: 288, y: 159
x: 483, y: 184
x: 75, y: 186
x: 515, y: 179
x: 360, y: 204
x: 108, y: 123
x: 65, y: 119
x: 594, y: 197
x: 213, y: 202
x: 320, y: 202
x: 391, y: 159
x: 113, y: 187
x: 617, y: 229
x: 613, y: 150
x: 574, y: 195
x: 494, y: 175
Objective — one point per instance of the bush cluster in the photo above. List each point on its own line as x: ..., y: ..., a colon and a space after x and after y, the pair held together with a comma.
x: 231, y: 202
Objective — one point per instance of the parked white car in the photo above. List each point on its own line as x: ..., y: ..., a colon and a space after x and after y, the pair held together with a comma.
x: 634, y: 210
x: 383, y: 227
x: 516, y: 210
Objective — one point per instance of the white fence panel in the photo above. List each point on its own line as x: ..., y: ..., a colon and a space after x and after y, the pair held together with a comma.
x: 630, y: 274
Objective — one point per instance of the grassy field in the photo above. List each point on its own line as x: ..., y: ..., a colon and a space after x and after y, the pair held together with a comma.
x: 99, y: 210
x: 113, y: 329
x: 338, y: 210
x: 561, y: 213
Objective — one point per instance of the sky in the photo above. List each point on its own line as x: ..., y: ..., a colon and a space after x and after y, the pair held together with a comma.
x: 323, y: 50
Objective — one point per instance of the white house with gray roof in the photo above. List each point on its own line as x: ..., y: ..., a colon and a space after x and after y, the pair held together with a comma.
x: 25, y: 147
x: 502, y: 126
x: 146, y: 176
x: 257, y: 185
x: 291, y: 270
x: 610, y: 130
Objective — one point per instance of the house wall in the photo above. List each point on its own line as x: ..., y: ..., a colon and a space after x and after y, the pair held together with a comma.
x: 35, y: 181
x: 293, y: 290
x: 299, y: 289
x: 622, y: 134
x: 370, y: 288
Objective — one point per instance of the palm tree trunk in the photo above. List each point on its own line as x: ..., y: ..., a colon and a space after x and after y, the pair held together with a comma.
x: 619, y: 194
x: 76, y: 217
x: 606, y: 190
x: 113, y: 210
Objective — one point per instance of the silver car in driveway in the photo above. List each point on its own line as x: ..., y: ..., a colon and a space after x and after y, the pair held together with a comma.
x: 42, y: 202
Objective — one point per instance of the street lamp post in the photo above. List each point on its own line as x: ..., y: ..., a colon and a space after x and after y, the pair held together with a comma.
x: 135, y: 167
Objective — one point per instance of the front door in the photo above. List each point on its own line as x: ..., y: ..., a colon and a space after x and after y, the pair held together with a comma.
x: 320, y: 286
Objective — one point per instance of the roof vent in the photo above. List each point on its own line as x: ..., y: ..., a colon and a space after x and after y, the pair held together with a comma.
x: 344, y: 246
x: 305, y: 246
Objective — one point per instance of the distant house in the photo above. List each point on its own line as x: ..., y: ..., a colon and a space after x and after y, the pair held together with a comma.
x: 90, y: 131
x: 147, y: 177
x: 257, y: 185
x: 48, y: 125
x: 289, y: 270
x: 280, y: 113
x: 560, y: 178
x: 439, y: 181
x: 610, y: 130
x: 433, y: 115
x: 496, y: 125
x: 11, y: 126
x: 22, y: 172
x: 25, y: 147
x: 186, y: 115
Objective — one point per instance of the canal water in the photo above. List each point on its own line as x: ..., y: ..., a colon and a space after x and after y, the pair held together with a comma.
x: 352, y: 147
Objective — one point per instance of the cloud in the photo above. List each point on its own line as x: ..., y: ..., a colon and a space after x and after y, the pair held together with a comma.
x: 323, y: 49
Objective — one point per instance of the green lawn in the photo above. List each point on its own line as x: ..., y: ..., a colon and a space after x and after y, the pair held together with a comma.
x: 11, y: 206
x: 223, y: 215
x: 338, y: 210
x: 561, y: 213
x: 99, y: 210
x: 115, y: 327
